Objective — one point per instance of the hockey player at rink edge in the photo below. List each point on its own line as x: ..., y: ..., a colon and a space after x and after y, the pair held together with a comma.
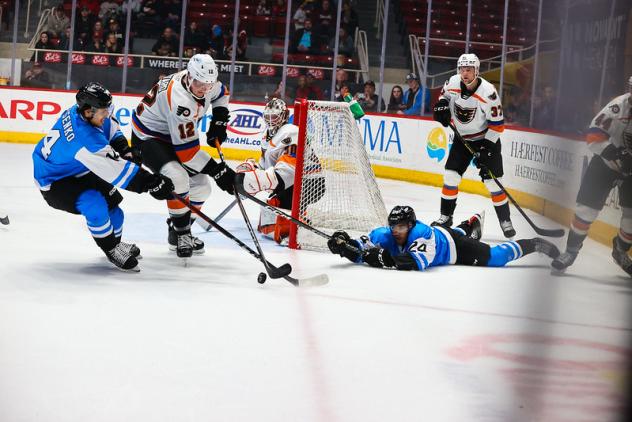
x: 473, y: 104
x: 78, y: 166
x: 274, y: 172
x: 164, y: 129
x: 408, y: 244
x: 609, y: 138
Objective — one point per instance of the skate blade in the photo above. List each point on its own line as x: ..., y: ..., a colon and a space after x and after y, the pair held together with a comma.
x: 557, y: 273
x: 195, y: 252
x: 136, y: 269
x: 185, y: 261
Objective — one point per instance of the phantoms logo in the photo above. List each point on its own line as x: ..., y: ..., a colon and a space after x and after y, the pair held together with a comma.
x: 246, y: 121
x: 437, y: 144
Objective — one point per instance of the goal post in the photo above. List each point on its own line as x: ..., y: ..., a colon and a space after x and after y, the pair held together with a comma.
x: 334, y: 185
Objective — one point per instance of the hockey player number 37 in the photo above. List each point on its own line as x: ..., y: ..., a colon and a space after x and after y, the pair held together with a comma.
x: 50, y: 140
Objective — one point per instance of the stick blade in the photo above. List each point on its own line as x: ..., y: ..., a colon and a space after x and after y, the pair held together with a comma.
x: 317, y: 280
x: 550, y: 232
x: 280, y: 272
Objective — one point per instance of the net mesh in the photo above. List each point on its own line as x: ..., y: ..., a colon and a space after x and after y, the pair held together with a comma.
x: 338, y: 188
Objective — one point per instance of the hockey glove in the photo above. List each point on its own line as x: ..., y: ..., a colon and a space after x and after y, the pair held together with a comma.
x: 378, y: 257
x: 223, y: 175
x: 618, y: 159
x: 123, y: 149
x: 483, y: 157
x: 337, y: 241
x: 441, y: 112
x: 160, y: 187
x: 219, y: 123
x: 255, y: 180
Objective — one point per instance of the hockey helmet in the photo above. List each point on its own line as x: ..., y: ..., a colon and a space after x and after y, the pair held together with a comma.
x: 275, y: 113
x: 201, y: 70
x: 93, y: 95
x: 469, y: 59
x: 402, y: 214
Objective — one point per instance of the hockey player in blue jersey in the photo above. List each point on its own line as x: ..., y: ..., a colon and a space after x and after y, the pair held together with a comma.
x: 409, y: 244
x: 78, y: 166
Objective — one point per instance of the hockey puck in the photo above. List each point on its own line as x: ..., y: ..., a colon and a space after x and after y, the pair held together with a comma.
x: 261, y: 278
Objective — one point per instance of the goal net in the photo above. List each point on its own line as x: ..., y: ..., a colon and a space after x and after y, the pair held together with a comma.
x: 334, y: 185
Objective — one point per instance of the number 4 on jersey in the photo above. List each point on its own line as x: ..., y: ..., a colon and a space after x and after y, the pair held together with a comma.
x: 50, y: 140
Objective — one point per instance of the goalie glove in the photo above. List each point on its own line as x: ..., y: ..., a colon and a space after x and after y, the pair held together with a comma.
x: 256, y: 180
x: 219, y: 123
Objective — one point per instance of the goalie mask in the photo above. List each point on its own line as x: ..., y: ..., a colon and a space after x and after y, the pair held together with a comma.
x: 275, y: 114
x: 201, y: 75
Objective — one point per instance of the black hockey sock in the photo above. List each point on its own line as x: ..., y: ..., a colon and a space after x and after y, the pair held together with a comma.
x: 527, y: 246
x: 182, y: 223
x: 502, y: 211
x: 448, y: 206
x: 107, y: 243
x: 575, y: 241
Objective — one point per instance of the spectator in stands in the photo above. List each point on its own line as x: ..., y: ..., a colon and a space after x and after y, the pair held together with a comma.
x: 396, y: 102
x: 304, y: 90
x: 96, y: 46
x: 369, y: 99
x: 57, y: 21
x: 242, y: 44
x: 84, y: 23
x: 64, y: 40
x: 194, y: 37
x: 279, y: 9
x: 36, y: 76
x: 167, y: 44
x: 313, y: 86
x: 414, y: 96
x: 342, y: 78
x: 263, y: 9
x: 215, y: 46
x: 325, y: 19
x: 97, y: 31
x: 149, y: 18
x: 107, y: 10
x: 544, y: 115
x: 91, y: 5
x: 277, y: 94
x: 44, y: 42
x: 515, y: 108
x: 299, y: 17
x: 189, y: 52
x: 349, y: 17
x: 305, y: 40
x: 115, y: 28
x: 345, y: 90
x: 112, y: 44
x: 170, y: 13
x: 345, y: 43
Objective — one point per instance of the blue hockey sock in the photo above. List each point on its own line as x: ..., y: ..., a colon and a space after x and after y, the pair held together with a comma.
x: 504, y: 253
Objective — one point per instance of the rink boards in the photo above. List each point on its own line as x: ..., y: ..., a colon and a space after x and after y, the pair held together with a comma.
x: 542, y: 169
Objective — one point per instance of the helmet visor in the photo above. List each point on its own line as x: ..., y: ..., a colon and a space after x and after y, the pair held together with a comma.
x: 199, y: 88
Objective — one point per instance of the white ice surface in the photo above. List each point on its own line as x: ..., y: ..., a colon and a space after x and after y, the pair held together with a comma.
x: 81, y: 341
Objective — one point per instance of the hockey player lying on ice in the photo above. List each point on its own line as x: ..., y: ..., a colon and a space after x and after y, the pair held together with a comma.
x: 409, y: 244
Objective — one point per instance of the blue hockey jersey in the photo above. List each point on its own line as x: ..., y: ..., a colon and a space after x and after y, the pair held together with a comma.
x: 429, y: 246
x: 74, y: 147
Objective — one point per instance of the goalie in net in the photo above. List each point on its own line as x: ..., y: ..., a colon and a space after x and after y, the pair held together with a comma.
x: 318, y: 169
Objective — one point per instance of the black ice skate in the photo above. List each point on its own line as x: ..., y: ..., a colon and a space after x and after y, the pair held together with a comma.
x: 473, y: 226
x: 508, y: 230
x: 5, y: 220
x: 132, y: 249
x: 443, y: 221
x: 184, y: 247
x: 123, y: 259
x: 198, y: 244
x: 565, y: 260
x: 620, y: 255
x: 546, y: 247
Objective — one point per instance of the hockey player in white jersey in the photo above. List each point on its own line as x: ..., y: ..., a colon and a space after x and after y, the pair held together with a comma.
x: 610, y: 140
x: 472, y: 103
x: 164, y: 129
x: 77, y: 168
x: 274, y: 173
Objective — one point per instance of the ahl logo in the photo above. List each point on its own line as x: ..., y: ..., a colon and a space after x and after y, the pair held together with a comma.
x: 183, y: 110
x: 247, y: 121
x: 437, y: 144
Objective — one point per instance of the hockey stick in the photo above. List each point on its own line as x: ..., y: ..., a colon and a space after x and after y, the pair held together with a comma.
x: 287, y: 216
x: 272, y: 271
x: 221, y: 215
x: 538, y: 230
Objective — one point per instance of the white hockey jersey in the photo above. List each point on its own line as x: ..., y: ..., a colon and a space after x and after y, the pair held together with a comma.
x: 477, y: 116
x: 279, y: 151
x: 170, y: 113
x: 613, y: 124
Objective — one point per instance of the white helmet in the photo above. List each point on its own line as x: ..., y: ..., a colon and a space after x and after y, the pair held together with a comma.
x: 469, y: 60
x: 201, y: 68
x: 275, y: 114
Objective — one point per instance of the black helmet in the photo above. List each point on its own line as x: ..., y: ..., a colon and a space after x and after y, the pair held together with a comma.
x: 93, y: 94
x: 402, y: 214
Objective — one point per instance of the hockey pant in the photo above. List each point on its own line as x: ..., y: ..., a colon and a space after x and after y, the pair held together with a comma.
x: 476, y: 253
